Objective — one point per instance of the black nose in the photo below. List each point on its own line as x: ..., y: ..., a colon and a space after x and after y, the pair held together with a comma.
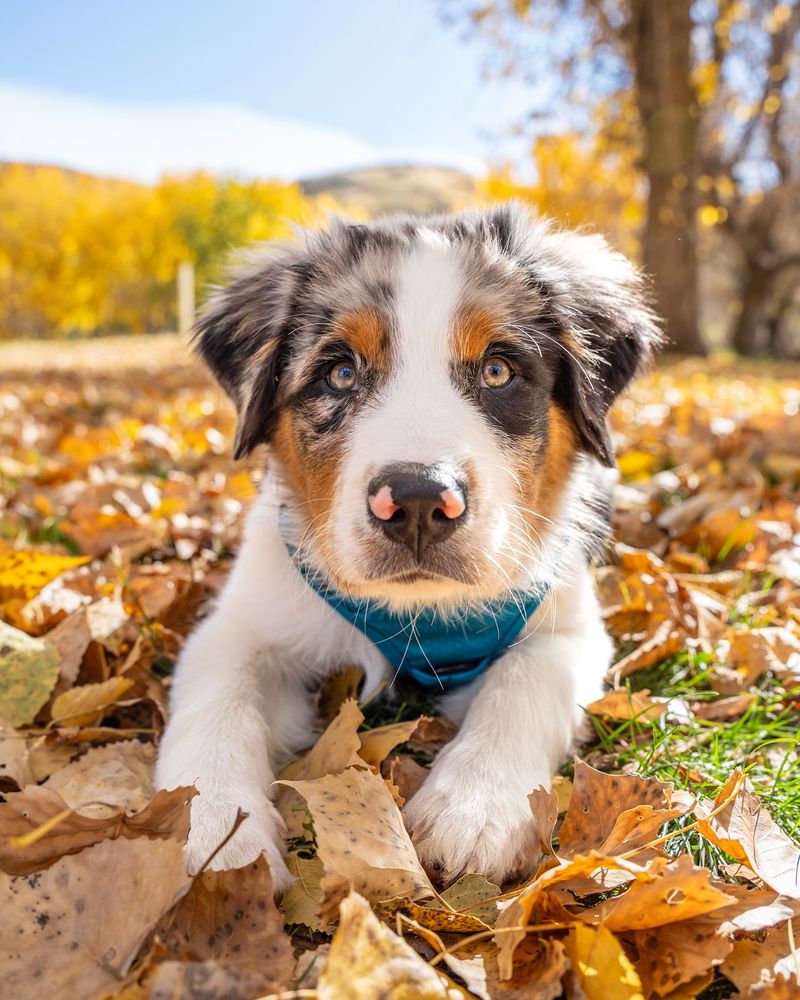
x: 416, y: 505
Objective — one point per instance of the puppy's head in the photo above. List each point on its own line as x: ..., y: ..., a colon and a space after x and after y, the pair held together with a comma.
x: 430, y: 389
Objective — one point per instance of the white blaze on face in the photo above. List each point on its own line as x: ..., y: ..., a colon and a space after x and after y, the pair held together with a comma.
x: 419, y: 416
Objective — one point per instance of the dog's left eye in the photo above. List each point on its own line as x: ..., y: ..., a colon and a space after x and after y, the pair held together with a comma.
x: 342, y: 376
x: 496, y: 373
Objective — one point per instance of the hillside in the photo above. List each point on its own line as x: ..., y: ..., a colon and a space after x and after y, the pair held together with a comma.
x: 383, y: 190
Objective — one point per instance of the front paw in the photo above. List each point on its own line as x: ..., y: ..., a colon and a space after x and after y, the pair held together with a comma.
x: 212, y: 819
x: 472, y: 828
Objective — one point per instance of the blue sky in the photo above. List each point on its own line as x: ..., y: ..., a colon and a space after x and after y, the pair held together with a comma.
x: 287, y: 87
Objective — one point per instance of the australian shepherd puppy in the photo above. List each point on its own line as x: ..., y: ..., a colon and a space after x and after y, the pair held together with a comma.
x: 434, y: 396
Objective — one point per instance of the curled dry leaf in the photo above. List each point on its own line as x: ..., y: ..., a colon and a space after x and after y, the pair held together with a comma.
x: 370, y: 962
x: 745, y: 830
x: 616, y: 812
x: 377, y: 743
x: 664, y: 891
x: 406, y: 775
x: 29, y: 670
x: 769, y: 959
x: 361, y: 838
x: 86, y: 704
x: 60, y: 935
x: 45, y: 828
x: 301, y: 902
x: 70, y: 638
x: 602, y: 968
x: 115, y: 775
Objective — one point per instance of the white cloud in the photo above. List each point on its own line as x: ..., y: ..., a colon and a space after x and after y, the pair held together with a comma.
x: 141, y: 140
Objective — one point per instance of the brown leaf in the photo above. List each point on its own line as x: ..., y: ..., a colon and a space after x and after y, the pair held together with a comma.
x: 87, y: 704
x: 23, y: 813
x: 377, y: 743
x: 406, y: 774
x: 768, y: 959
x: 76, y: 929
x: 745, y: 830
x: 361, y: 838
x: 622, y: 704
x: 115, y: 775
x: 230, y: 917
x: 616, y: 812
x: 676, y: 953
x: 663, y: 892
x: 70, y: 639
x: 211, y: 980
x: 544, y: 808
x: 722, y: 709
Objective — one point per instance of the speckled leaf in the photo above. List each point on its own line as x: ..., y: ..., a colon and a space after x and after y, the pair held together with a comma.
x: 76, y: 929
x: 28, y: 673
x: 594, y: 816
x: 361, y: 838
x: 231, y: 917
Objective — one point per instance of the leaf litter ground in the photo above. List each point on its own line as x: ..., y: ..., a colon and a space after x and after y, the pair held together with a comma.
x: 669, y: 861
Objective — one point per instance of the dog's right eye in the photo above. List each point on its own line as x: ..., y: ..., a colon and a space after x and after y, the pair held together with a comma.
x: 342, y: 376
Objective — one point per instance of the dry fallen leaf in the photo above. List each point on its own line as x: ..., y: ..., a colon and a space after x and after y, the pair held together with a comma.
x: 603, y: 969
x: 61, y: 935
x: 745, y: 830
x: 361, y: 839
x: 86, y: 704
x: 611, y: 812
x: 230, y: 917
x: 28, y: 673
x: 622, y: 704
x: 370, y: 962
x: 23, y: 573
x: 44, y: 827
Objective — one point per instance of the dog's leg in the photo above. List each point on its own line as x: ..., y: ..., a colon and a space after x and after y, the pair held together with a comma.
x: 234, y: 710
x: 472, y: 812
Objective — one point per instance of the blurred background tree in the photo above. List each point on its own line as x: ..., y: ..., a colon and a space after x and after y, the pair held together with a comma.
x: 80, y: 253
x: 699, y: 99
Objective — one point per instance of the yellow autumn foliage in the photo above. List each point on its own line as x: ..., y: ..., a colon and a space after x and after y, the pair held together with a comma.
x: 582, y: 181
x: 81, y: 253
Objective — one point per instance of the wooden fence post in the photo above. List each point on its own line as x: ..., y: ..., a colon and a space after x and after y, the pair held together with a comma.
x: 185, y: 283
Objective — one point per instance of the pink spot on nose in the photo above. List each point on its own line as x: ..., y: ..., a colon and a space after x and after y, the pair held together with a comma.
x: 382, y: 505
x: 452, y: 504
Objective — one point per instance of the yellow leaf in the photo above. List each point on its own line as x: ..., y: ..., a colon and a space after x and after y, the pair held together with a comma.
x: 636, y: 463
x: 370, y: 962
x: 23, y: 574
x: 86, y: 704
x: 604, y: 970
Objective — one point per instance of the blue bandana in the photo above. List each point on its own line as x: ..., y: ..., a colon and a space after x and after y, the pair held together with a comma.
x: 435, y: 651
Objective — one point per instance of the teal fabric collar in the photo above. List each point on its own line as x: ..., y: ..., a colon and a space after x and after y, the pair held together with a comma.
x: 435, y: 651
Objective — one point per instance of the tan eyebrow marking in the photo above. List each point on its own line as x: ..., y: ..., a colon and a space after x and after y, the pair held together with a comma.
x: 367, y: 332
x: 474, y: 331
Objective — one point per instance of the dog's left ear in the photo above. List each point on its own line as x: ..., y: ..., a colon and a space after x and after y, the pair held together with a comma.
x: 243, y: 334
x: 598, y: 309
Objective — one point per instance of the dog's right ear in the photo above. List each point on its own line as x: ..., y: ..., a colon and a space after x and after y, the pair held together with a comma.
x: 242, y: 336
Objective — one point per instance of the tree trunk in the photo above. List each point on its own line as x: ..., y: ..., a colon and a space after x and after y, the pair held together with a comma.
x: 659, y: 37
x: 750, y: 334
